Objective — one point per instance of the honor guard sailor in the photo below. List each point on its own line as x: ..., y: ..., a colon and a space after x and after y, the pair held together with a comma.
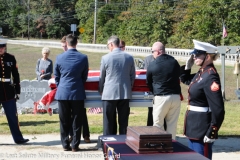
x: 9, y: 91
x: 205, y: 111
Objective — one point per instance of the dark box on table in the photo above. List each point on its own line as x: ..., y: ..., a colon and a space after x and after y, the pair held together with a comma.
x: 148, y: 139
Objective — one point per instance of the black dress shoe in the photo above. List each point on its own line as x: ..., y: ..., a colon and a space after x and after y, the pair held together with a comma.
x: 87, y: 139
x: 75, y: 149
x: 67, y: 149
x: 22, y: 141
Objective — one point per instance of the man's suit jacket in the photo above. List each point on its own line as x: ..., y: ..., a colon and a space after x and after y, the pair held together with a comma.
x: 148, y: 60
x: 117, y: 75
x: 71, y: 71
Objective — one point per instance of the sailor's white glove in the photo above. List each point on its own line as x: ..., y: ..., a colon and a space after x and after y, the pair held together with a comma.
x: 208, y: 140
x: 189, y: 62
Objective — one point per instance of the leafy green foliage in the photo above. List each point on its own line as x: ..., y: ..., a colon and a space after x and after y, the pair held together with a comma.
x: 138, y: 22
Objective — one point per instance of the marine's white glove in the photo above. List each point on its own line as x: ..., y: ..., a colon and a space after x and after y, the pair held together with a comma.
x: 208, y: 140
x: 17, y: 96
x: 189, y: 62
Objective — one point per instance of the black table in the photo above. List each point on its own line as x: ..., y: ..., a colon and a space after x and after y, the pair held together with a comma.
x: 120, y: 151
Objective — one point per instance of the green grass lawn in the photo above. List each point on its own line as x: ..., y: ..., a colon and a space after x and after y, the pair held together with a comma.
x: 43, y: 123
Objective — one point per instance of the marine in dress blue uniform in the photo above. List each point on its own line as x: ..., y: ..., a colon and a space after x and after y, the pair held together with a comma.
x: 205, y: 112
x: 9, y: 89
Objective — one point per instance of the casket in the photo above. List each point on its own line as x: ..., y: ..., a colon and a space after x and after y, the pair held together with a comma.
x: 140, y: 97
x: 138, y: 86
x: 148, y: 139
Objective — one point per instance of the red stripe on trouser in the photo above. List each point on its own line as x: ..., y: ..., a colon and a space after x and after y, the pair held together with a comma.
x: 206, y: 150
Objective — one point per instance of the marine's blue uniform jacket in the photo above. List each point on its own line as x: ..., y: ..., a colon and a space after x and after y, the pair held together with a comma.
x: 8, y: 70
x: 204, y: 91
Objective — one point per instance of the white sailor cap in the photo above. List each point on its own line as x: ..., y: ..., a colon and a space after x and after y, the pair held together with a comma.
x: 203, y: 47
x: 3, y: 42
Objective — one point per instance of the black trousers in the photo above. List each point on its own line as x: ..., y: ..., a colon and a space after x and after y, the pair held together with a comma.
x: 150, y: 118
x: 85, y: 127
x: 70, y: 115
x: 115, y: 124
x: 109, y: 116
x: 10, y: 110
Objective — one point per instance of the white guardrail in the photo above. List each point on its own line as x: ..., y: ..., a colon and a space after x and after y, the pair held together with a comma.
x: 93, y: 99
x: 179, y: 54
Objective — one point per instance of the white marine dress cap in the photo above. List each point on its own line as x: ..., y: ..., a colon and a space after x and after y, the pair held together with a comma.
x: 203, y: 46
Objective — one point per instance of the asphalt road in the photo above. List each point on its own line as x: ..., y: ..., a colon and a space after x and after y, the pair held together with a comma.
x: 48, y: 147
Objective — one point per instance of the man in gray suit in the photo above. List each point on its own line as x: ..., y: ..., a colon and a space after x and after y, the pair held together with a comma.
x: 117, y: 75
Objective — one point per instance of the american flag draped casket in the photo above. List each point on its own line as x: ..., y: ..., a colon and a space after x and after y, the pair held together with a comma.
x: 139, y: 83
x: 93, y: 80
x: 91, y: 85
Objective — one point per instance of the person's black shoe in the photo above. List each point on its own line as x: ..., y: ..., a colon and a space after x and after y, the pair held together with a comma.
x: 22, y: 141
x: 87, y: 139
x: 67, y: 149
x: 75, y: 149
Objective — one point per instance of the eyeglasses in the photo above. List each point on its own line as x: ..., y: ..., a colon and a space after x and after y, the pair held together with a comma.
x: 198, y: 55
x: 121, y: 46
x: 154, y: 51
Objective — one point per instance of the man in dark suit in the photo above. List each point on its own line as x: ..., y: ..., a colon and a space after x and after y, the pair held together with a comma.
x: 71, y: 71
x: 85, y: 127
x: 147, y: 61
x: 9, y: 89
x: 117, y: 75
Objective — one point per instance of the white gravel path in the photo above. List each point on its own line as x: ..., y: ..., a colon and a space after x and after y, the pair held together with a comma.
x: 48, y: 147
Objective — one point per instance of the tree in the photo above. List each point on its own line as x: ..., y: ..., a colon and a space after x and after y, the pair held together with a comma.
x: 11, y: 12
x: 201, y: 22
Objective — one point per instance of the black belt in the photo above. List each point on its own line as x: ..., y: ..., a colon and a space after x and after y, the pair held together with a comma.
x: 167, y: 94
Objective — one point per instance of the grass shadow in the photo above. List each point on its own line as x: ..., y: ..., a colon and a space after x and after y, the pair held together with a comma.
x: 33, y: 123
x: 46, y: 143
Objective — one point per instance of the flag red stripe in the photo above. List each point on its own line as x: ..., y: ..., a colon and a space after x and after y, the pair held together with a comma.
x: 224, y: 34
